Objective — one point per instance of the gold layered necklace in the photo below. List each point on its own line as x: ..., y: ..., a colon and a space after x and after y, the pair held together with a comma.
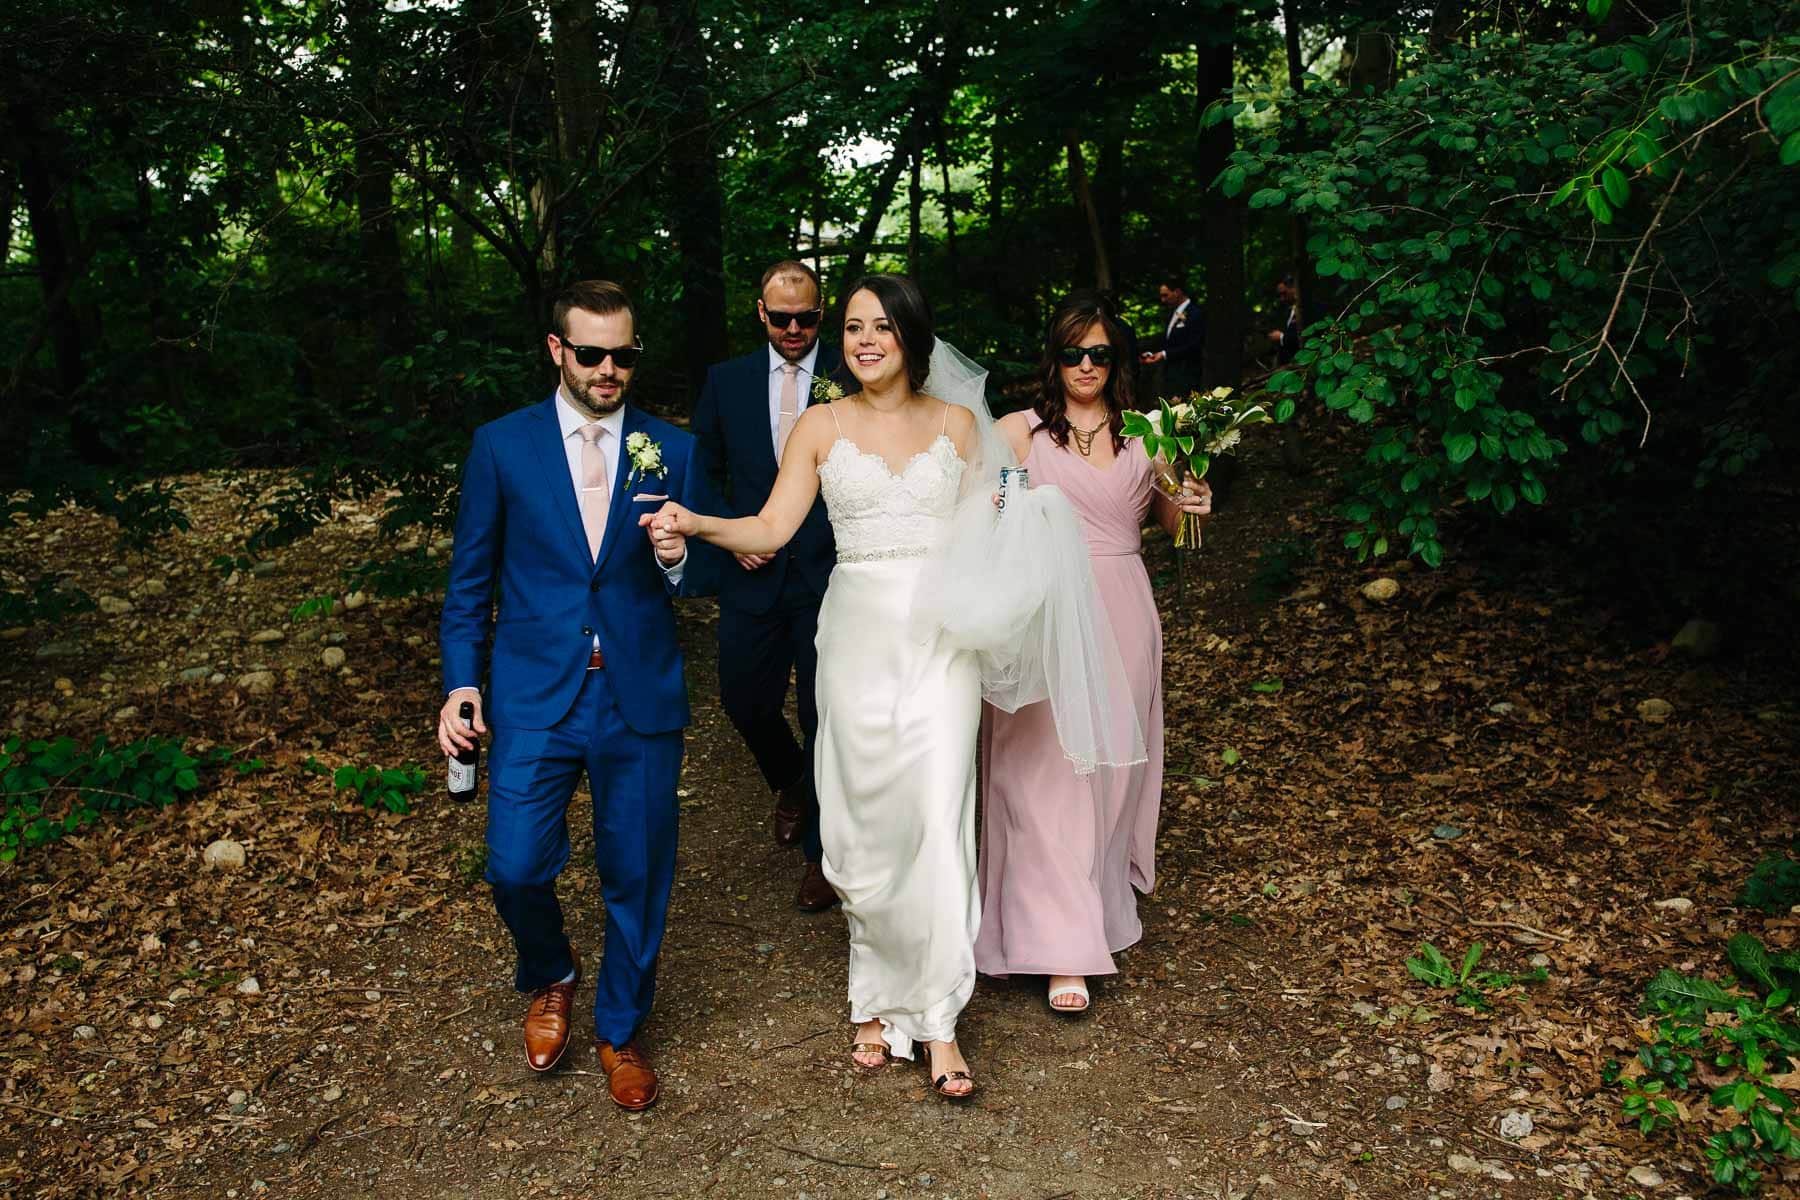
x: 1084, y: 438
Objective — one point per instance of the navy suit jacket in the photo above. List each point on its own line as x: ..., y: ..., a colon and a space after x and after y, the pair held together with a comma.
x: 731, y: 422
x: 1186, y: 343
x: 518, y: 525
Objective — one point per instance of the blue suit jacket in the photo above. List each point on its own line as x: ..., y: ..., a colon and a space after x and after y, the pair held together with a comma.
x: 731, y: 422
x: 518, y: 525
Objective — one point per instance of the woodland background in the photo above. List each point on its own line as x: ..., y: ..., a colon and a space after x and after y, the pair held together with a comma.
x: 1478, y: 845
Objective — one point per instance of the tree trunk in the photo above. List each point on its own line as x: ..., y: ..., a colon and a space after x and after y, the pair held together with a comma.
x: 1373, y: 61
x: 1221, y: 217
x: 1446, y: 25
x: 1304, y: 277
x: 384, y: 273
x: 49, y: 211
x: 580, y: 111
x: 915, y: 207
x: 1084, y: 201
x: 947, y: 199
x: 699, y: 201
x: 1109, y: 199
x: 879, y: 199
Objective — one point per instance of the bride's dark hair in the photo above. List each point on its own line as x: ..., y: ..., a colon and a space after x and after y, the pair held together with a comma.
x: 910, y: 314
x: 1071, y: 319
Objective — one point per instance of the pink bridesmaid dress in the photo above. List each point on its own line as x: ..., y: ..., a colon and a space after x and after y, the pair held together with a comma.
x: 1061, y: 853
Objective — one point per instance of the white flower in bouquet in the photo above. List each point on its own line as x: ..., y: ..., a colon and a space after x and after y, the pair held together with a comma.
x: 1225, y: 441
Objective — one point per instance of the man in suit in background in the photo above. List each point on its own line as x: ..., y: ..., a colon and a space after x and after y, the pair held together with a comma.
x: 769, y: 605
x: 1287, y: 338
x: 1183, y: 339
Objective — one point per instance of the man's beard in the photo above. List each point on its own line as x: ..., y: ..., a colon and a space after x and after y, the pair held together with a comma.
x: 777, y: 339
x: 588, y: 403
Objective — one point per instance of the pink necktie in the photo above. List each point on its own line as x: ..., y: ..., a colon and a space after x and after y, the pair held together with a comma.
x: 790, y: 406
x: 595, y: 494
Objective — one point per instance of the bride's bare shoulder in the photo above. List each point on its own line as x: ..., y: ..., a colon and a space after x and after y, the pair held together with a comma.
x: 958, y: 421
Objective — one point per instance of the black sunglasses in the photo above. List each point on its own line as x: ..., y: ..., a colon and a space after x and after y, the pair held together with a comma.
x: 806, y: 320
x: 1071, y: 356
x: 624, y: 357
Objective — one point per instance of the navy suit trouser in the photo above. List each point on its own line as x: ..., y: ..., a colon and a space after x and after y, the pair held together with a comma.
x: 757, y: 653
x: 532, y: 775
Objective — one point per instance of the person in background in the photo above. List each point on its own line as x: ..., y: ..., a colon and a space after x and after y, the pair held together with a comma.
x: 1183, y: 339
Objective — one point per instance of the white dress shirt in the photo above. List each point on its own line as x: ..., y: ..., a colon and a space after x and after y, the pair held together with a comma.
x: 804, y: 382
x: 1176, y: 316
x: 571, y: 419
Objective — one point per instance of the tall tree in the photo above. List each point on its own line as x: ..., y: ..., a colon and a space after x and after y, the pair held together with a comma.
x: 1221, y: 216
x: 699, y: 203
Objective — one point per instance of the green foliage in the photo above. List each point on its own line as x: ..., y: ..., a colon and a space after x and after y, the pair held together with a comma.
x: 387, y: 788
x: 1493, y: 228
x: 1748, y: 1035
x: 53, y: 787
x: 1774, y: 886
x: 1435, y: 970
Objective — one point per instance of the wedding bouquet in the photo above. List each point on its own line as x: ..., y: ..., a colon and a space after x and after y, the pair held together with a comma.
x: 1183, y: 438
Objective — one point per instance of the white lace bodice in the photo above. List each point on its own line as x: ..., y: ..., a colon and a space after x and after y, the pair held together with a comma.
x: 876, y: 514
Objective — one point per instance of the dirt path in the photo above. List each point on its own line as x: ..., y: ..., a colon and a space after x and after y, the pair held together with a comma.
x: 1392, y: 776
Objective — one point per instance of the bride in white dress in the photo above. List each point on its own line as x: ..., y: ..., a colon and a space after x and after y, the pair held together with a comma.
x: 898, y: 718
x: 935, y: 604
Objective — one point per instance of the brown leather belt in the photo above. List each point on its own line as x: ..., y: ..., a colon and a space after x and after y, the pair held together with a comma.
x: 596, y: 660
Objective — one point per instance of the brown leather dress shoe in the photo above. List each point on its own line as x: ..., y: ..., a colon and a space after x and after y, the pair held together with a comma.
x: 816, y: 894
x: 628, y: 1074
x: 547, y: 1022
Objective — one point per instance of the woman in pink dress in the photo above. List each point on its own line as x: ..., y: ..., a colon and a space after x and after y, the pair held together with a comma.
x: 1060, y: 852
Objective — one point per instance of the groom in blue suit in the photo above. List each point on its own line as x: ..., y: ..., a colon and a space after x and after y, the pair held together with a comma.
x: 585, y: 672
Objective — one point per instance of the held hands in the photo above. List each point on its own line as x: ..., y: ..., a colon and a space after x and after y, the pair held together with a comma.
x: 1151, y: 356
x: 452, y: 734
x: 669, y: 528
x: 754, y: 562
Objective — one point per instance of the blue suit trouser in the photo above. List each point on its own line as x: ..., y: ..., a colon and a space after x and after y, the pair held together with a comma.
x: 531, y: 780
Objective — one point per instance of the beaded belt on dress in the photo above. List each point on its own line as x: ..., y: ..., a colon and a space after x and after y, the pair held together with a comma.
x: 890, y: 552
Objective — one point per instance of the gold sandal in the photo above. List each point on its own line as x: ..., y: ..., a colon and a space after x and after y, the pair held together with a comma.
x: 938, y: 1082
x: 868, y: 1048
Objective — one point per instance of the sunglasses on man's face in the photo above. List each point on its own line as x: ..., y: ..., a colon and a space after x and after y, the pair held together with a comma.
x: 806, y: 319
x: 1071, y: 356
x: 624, y: 357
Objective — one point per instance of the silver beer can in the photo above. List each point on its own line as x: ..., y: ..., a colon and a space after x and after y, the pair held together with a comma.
x: 1010, y: 478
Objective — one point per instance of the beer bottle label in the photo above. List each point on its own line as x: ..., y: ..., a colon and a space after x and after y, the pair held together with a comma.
x: 462, y: 776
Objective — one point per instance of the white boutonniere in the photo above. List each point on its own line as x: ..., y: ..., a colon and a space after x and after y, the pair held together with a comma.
x: 1181, y: 320
x: 646, y: 458
x: 825, y: 390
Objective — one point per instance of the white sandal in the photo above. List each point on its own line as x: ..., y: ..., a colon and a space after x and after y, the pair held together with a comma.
x: 1069, y: 989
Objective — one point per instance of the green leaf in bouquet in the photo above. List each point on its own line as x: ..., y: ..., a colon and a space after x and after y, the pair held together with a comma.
x: 1185, y: 443
x: 1199, y: 465
x: 1137, y: 425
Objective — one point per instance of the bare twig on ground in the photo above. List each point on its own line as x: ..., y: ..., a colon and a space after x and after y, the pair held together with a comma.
x: 839, y: 1162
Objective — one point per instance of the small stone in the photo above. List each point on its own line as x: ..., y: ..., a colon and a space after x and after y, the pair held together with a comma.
x: 224, y: 855
x: 1645, y: 1176
x: 249, y: 987
x: 765, y: 948
x: 332, y: 1094
x: 333, y: 657
x: 154, y: 1020
x: 1539, y: 960
x: 1675, y: 904
x: 86, y: 1033
x: 1503, y: 708
x: 128, y: 713
x: 215, y: 678
x: 195, y: 674
x: 355, y: 600
x: 237, y: 1097
x: 64, y: 685
x: 1655, y: 710
x: 154, y: 587
x: 1697, y: 639
x: 1439, y: 1080
x: 265, y: 567
x: 119, y: 571
x: 257, y: 683
x: 268, y: 635
x: 1446, y: 833
x: 1462, y: 1164
x: 1381, y: 590
x: 56, y: 650
x: 115, y: 606
x: 1515, y: 1125
x: 1396, y: 1103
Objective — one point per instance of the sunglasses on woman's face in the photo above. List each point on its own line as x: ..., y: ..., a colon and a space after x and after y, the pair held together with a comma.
x: 624, y: 357
x: 1071, y: 356
x: 806, y: 319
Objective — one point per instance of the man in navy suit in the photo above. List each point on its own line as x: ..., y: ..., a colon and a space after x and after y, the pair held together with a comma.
x: 585, y: 672
x: 769, y: 604
x: 1183, y: 339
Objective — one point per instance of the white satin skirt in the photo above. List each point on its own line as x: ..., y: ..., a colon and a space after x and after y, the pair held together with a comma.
x: 894, y: 764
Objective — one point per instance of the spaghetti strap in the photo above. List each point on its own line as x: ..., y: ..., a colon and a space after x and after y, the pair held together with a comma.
x: 832, y: 409
x: 945, y: 427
